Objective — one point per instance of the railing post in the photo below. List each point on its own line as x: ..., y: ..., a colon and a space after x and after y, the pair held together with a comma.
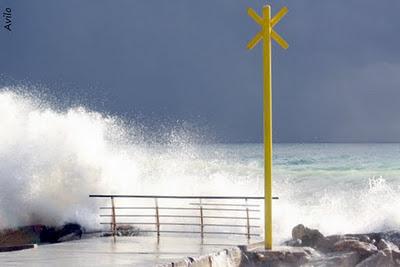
x: 157, y: 219
x: 113, y: 220
x: 248, y: 220
x: 201, y: 221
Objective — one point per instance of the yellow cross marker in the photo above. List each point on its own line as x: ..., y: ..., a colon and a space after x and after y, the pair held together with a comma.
x: 267, y: 32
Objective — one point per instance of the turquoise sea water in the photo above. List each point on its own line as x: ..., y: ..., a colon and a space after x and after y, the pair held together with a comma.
x: 337, y: 188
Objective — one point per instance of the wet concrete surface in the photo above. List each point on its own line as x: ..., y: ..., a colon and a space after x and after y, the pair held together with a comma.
x: 133, y: 251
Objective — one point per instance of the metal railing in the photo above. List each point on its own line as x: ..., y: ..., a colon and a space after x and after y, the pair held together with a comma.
x: 206, y: 213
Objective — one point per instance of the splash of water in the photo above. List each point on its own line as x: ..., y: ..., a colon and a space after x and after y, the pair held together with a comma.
x: 362, y: 208
x: 51, y: 160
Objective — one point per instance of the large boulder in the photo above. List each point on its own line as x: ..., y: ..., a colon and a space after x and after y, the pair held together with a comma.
x: 362, y: 248
x: 327, y: 244
x: 380, y: 259
x: 67, y: 232
x: 309, y: 237
x: 283, y: 256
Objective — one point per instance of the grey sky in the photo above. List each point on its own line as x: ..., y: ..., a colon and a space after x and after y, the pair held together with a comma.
x: 186, y: 60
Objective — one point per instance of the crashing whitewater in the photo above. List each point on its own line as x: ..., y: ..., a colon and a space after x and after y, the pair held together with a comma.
x: 51, y: 160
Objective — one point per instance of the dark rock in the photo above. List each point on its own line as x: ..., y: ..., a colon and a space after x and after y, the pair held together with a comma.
x: 365, y: 238
x: 380, y: 259
x: 69, y: 231
x: 392, y: 236
x: 278, y: 256
x: 360, y: 237
x: 48, y: 235
x: 347, y: 259
x: 309, y: 237
x: 362, y: 248
x: 298, y: 231
x: 16, y: 247
x: 327, y: 244
x: 383, y: 244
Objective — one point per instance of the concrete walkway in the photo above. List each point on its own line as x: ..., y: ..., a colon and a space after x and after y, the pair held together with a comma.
x: 132, y: 251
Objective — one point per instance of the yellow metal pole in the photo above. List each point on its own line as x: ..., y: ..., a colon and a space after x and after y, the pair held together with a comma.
x: 267, y: 126
x: 267, y: 32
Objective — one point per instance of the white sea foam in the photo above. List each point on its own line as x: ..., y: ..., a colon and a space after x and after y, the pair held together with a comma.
x: 51, y: 160
x: 355, y: 209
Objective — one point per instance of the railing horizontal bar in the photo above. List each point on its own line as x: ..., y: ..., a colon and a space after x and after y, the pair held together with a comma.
x: 129, y: 208
x: 149, y: 223
x: 230, y: 225
x: 254, y: 210
x: 129, y: 223
x: 188, y: 224
x: 178, y: 197
x: 225, y: 204
x: 174, y: 208
x: 129, y: 215
x: 179, y: 216
x: 196, y: 232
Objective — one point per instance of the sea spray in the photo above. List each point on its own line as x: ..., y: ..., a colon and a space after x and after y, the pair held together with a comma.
x: 52, y: 159
x: 364, y: 206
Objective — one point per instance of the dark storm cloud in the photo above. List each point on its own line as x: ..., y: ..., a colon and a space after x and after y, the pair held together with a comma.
x: 186, y: 60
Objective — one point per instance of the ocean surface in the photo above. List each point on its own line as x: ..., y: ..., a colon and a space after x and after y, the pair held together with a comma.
x: 51, y: 160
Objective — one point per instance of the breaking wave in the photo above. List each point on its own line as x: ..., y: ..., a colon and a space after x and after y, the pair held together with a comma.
x: 51, y: 160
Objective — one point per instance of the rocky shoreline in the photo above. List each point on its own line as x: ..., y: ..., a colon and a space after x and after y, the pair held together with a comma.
x: 307, y: 248
x: 362, y: 250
